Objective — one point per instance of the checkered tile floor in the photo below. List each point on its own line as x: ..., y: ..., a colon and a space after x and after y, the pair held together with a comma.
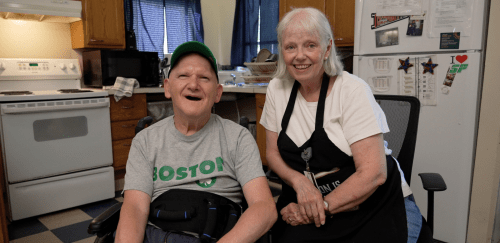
x: 70, y: 225
x: 60, y: 227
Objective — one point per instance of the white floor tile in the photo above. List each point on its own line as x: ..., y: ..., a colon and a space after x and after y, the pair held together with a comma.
x: 64, y: 218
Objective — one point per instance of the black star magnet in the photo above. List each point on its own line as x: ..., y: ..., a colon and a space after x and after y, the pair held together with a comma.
x: 429, y: 66
x: 405, y: 64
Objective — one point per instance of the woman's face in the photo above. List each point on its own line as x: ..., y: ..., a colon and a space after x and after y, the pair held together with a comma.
x: 302, y: 54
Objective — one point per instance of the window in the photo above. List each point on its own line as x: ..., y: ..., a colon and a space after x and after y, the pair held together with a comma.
x: 254, y: 28
x: 161, y: 25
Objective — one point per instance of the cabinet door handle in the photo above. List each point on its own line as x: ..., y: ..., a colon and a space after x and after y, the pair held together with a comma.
x: 339, y: 39
x: 127, y: 107
x: 127, y: 144
x: 94, y: 40
x: 261, y: 106
x: 125, y: 126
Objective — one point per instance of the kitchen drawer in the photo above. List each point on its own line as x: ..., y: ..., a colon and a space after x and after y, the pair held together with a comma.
x: 123, y: 129
x: 120, y: 153
x: 128, y: 108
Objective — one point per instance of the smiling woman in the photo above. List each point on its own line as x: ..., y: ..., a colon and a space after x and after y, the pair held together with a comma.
x: 331, y: 114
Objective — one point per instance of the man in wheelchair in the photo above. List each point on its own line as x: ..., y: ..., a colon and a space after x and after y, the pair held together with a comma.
x: 187, y: 174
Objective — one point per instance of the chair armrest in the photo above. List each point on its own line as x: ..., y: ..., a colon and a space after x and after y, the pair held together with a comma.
x: 106, y: 221
x: 142, y: 123
x: 432, y: 181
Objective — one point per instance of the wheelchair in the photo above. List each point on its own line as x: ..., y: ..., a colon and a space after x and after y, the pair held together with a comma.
x: 105, y: 225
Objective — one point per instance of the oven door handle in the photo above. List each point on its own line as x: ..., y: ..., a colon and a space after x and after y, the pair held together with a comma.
x: 24, y: 110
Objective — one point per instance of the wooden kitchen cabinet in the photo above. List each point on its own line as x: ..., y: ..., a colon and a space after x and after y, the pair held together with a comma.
x: 260, y: 99
x: 102, y: 25
x: 124, y: 116
x: 340, y: 14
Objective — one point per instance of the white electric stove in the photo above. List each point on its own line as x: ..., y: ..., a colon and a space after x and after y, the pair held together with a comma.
x: 55, y: 137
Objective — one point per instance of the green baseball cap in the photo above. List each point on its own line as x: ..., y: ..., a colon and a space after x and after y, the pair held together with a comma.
x: 193, y: 47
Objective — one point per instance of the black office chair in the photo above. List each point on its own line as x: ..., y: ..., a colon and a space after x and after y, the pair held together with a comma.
x: 402, y: 113
x: 106, y: 223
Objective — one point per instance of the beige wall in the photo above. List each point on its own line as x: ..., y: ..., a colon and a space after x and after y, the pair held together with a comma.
x: 30, y: 39
x: 218, y: 16
x: 487, y: 165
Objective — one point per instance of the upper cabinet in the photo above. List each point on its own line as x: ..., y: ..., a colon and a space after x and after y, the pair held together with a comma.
x: 102, y: 25
x: 340, y: 13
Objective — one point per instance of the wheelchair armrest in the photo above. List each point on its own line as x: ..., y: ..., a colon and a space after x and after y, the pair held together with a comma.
x: 106, y: 221
x: 432, y: 181
x: 141, y: 124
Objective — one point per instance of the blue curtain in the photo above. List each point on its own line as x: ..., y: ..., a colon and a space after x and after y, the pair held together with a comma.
x: 183, y: 21
x: 147, y: 21
x: 245, y: 29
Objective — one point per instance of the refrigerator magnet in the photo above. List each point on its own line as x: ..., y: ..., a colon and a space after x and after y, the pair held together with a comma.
x: 450, y: 40
x: 389, y: 37
x: 450, y: 76
x: 429, y: 66
x: 405, y: 64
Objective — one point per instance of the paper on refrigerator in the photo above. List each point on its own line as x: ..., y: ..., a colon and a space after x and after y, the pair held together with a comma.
x: 399, y: 7
x: 448, y: 16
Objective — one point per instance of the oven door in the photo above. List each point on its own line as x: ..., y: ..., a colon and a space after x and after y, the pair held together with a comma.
x: 48, y: 138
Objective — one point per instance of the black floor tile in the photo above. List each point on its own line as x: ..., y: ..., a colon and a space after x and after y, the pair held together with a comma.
x: 25, y: 227
x: 94, y: 209
x: 72, y: 233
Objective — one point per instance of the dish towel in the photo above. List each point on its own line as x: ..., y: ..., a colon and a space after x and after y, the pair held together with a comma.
x: 124, y: 87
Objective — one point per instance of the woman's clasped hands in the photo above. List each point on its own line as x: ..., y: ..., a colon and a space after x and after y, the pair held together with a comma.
x: 310, y: 207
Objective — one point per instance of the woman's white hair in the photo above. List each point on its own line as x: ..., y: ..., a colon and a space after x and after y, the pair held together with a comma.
x: 316, y: 22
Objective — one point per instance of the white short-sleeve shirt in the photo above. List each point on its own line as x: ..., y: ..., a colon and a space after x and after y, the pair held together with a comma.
x: 351, y: 114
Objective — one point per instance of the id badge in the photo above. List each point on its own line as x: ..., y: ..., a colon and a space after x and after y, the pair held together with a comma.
x: 310, y: 176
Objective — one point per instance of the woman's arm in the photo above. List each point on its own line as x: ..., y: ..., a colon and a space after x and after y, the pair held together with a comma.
x: 260, y: 215
x: 133, y: 217
x: 371, y: 172
x: 309, y: 197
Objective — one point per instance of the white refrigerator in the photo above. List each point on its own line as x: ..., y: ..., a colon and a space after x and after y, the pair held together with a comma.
x: 432, y: 50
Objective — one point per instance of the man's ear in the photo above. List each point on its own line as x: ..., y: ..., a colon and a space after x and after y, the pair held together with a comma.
x: 219, y: 93
x: 166, y: 87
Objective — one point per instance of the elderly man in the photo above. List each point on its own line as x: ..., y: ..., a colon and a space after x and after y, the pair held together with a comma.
x: 197, y: 151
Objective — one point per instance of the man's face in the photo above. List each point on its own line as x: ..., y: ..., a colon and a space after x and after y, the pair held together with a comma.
x: 193, y: 87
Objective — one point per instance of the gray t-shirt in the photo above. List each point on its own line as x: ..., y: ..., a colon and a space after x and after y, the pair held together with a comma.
x: 220, y: 158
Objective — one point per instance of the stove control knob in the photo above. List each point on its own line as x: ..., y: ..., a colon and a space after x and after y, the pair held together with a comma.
x: 71, y: 66
x: 2, y: 67
x: 62, y: 66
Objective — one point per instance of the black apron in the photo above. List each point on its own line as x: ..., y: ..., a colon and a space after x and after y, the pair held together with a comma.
x: 381, y: 218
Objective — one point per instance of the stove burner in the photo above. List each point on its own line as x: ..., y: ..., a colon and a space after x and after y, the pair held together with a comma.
x: 74, y: 90
x: 16, y: 93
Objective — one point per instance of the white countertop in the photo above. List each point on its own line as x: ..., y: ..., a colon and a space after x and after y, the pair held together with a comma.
x: 228, y: 89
